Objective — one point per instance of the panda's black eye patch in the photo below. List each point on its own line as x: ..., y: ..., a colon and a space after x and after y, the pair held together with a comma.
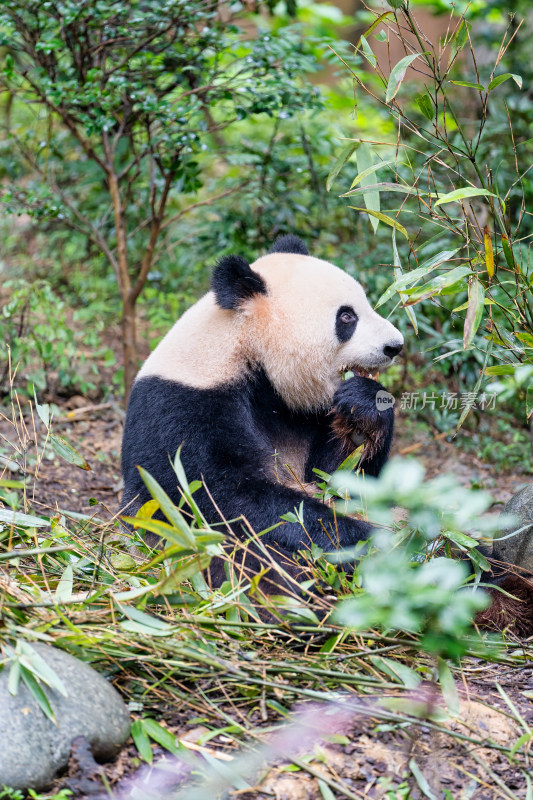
x: 345, y: 323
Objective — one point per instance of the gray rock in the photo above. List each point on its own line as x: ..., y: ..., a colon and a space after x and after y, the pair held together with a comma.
x: 32, y: 748
x: 518, y: 549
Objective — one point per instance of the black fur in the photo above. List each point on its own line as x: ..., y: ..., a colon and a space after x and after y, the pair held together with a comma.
x: 289, y: 244
x: 345, y: 330
x: 355, y: 401
x: 233, y: 281
x: 229, y: 436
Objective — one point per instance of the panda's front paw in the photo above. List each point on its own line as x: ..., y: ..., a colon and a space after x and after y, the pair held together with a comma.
x: 365, y: 403
x: 363, y: 413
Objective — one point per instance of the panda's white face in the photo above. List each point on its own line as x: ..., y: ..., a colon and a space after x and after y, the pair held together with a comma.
x: 306, y: 324
x: 313, y: 324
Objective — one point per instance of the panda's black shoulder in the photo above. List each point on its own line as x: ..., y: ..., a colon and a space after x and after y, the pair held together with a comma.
x: 289, y: 243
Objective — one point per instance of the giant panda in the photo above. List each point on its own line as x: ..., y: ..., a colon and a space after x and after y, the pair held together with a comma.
x: 249, y: 382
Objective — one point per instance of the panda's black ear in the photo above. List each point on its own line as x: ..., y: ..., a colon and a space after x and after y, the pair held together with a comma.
x: 289, y: 244
x: 233, y: 281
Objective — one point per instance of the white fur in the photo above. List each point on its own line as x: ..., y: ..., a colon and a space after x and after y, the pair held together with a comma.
x: 290, y: 332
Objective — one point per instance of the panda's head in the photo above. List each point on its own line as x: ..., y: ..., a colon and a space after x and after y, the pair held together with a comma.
x: 304, y: 321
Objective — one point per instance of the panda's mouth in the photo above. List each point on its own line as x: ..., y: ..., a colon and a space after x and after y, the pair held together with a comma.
x: 360, y: 372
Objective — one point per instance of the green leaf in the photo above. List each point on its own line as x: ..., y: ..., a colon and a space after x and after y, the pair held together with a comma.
x: 505, y: 77
x: 7, y: 483
x: 38, y: 693
x: 398, y: 274
x: 524, y: 739
x: 373, y: 27
x: 148, y: 621
x: 469, y: 85
x: 367, y: 50
x: 325, y: 791
x: 361, y: 177
x: 449, y: 689
x: 43, y: 411
x: 415, y: 274
x: 472, y: 400
x: 436, y: 285
x: 384, y: 218
x: 22, y: 520
x: 370, y: 198
x: 508, y: 253
x: 344, y: 157
x: 460, y: 539
x: 169, y: 509
x: 65, y: 451
x: 63, y: 592
x: 459, y: 38
x: 425, y: 105
x: 500, y: 369
x: 479, y: 559
x: 142, y: 742
x: 397, y: 75
x: 423, y: 785
x: 526, y: 338
x: 462, y: 194
x: 161, y: 735
x: 35, y: 663
x: 397, y: 671
x: 14, y: 677
x: 474, y: 313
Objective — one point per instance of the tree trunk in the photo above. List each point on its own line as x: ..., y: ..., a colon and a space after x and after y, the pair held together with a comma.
x: 129, y: 346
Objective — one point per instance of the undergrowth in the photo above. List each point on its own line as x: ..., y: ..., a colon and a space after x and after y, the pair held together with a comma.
x: 233, y: 659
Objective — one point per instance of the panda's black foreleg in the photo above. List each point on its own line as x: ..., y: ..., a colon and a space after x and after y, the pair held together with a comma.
x: 263, y: 503
x: 363, y: 408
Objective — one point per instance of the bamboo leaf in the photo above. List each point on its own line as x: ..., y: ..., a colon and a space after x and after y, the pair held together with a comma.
x: 489, y: 252
x: 449, y: 689
x: 397, y: 75
x: 464, y: 414
x: 459, y: 39
x: 385, y: 186
x: 414, y: 275
x: 384, y: 218
x: 43, y: 411
x: 460, y: 539
x: 421, y: 780
x: 398, y: 274
x: 65, y: 450
x: 469, y: 85
x: 38, y: 693
x: 425, y: 105
x: 35, y: 663
x: 160, y: 735
x: 370, y: 198
x: 508, y: 253
x: 22, y: 520
x: 463, y: 194
x: 63, y: 592
x: 505, y: 77
x: 374, y: 25
x: 169, y: 509
x: 361, y: 177
x: 500, y: 369
x: 142, y: 742
x: 436, y: 285
x: 344, y: 157
x: 367, y: 50
x: 474, y: 313
x: 165, y: 530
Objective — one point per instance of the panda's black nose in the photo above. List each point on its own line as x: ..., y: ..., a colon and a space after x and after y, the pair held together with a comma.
x: 392, y: 350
